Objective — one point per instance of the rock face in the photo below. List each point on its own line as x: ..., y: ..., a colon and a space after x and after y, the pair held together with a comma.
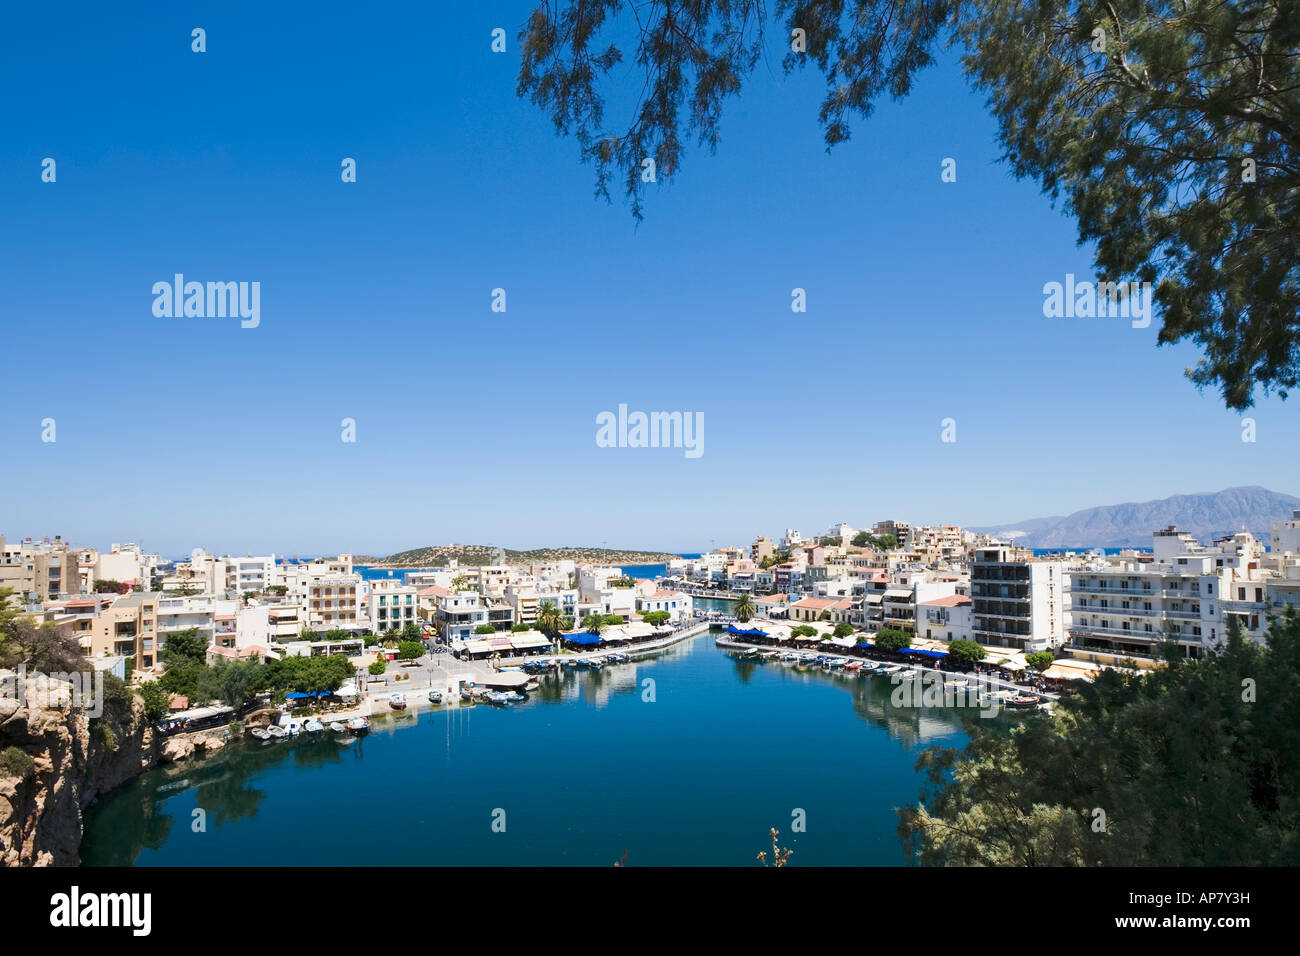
x: 76, y: 759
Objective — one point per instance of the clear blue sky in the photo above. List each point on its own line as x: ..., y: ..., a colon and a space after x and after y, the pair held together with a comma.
x: 924, y: 302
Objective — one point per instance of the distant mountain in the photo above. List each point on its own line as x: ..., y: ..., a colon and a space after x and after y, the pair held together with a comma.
x: 436, y: 556
x: 1130, y: 525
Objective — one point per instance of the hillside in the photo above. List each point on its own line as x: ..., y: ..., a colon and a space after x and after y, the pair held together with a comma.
x: 476, y: 554
x: 1130, y: 524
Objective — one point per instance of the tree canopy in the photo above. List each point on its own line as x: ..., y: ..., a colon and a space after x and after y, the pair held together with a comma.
x: 1193, y: 764
x: 1170, y: 128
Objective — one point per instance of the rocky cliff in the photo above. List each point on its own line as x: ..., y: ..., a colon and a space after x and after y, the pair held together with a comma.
x: 74, y: 760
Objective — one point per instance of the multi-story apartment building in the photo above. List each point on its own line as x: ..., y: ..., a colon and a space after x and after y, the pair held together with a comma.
x: 47, y: 569
x: 459, y: 613
x: 334, y: 601
x: 761, y: 549
x: 128, y: 628
x: 1182, y: 592
x: 390, y: 604
x: 1018, y: 601
x: 1285, y: 535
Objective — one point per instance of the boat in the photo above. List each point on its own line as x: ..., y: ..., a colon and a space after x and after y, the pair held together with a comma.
x: 853, y: 666
x: 313, y: 726
x: 465, y: 694
x: 513, y: 696
x: 435, y: 697
x: 397, y: 701
x: 276, y: 732
x: 1022, y: 701
x: 338, y: 727
x: 497, y: 697
x: 359, y: 725
x: 260, y: 733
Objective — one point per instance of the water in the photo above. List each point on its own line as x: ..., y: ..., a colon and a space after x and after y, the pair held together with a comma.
x: 583, y: 771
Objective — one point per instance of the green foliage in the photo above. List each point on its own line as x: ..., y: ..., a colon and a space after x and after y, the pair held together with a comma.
x: 612, y: 619
x: 108, y: 586
x: 549, y: 620
x: 843, y: 629
x: 1040, y: 660
x: 334, y: 634
x: 744, y: 608
x: 157, y: 701
x: 305, y: 674
x: 892, y: 639
x: 656, y: 618
x: 623, y: 582
x: 803, y: 630
x: 235, y: 683
x: 307, y: 634
x: 485, y: 629
x: 16, y: 763
x: 593, y: 623
x: 371, y: 640
x: 184, y: 647
x: 1194, y: 764
x: 412, y: 632
x: 967, y: 651
x: 377, y: 667
x: 410, y: 650
x: 519, y: 628
x: 824, y: 616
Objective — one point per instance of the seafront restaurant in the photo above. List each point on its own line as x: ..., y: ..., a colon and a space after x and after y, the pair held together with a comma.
x: 522, y: 645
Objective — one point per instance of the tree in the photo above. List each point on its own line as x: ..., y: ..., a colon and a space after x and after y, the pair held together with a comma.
x: 1171, y: 128
x: 410, y: 650
x: 236, y: 682
x: 335, y: 634
x: 108, y: 586
x: 307, y: 634
x: 803, y: 630
x: 967, y: 652
x: 1040, y: 660
x: 892, y: 639
x: 157, y: 702
x: 184, y: 647
x: 1194, y: 764
x: 593, y: 623
x: 485, y: 629
x: 824, y: 616
x: 656, y: 618
x: 843, y: 629
x: 862, y: 539
x: 744, y: 609
x: 519, y: 627
x: 459, y: 582
x: 885, y: 542
x: 412, y: 631
x: 548, y: 619
x: 377, y: 667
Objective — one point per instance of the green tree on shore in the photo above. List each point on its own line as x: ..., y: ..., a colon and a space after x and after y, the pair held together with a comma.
x: 744, y: 609
x: 1193, y: 764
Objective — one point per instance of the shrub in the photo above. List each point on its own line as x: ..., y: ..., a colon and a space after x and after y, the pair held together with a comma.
x: 15, y: 763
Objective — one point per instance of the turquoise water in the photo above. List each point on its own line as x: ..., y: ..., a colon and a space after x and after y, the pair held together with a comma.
x: 584, y: 770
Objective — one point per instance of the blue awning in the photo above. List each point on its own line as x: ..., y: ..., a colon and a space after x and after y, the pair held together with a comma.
x: 584, y: 638
x: 913, y: 650
x: 732, y: 629
x: 296, y: 695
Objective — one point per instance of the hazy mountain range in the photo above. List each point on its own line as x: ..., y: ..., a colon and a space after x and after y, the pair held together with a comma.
x: 1130, y: 525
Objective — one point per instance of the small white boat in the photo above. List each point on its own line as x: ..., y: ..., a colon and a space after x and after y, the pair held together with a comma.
x: 338, y: 727
x: 435, y: 697
x: 277, y: 732
x: 359, y: 725
x: 313, y: 726
x: 260, y: 733
x: 397, y: 701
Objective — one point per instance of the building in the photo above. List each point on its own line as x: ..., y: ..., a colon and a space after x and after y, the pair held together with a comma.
x: 389, y: 604
x: 676, y: 603
x: 459, y: 614
x: 1018, y: 601
x: 761, y: 549
x: 1284, y: 536
x: 128, y: 628
x: 44, y: 570
x: 945, y: 619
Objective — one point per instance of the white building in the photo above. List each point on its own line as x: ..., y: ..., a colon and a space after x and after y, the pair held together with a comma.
x: 945, y: 619
x: 1018, y: 601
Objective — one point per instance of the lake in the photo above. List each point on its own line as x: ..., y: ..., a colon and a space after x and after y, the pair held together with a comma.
x: 693, y: 768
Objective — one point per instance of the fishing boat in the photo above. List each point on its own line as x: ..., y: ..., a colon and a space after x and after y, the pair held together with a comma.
x: 338, y: 727
x: 397, y: 701
x: 260, y: 733
x: 1022, y: 701
x: 595, y: 665
x: 435, y: 697
x: 513, y: 696
x: 497, y: 697
x: 276, y: 732
x: 853, y: 666
x: 313, y: 726
x: 465, y: 694
x: 359, y: 725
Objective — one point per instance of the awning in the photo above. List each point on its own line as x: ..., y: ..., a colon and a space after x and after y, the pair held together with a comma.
x: 583, y: 637
x: 527, y: 642
x: 917, y: 650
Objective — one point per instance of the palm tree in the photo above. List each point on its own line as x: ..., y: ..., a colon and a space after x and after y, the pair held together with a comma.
x: 744, y: 609
x: 593, y: 623
x: 458, y: 582
x: 549, y: 620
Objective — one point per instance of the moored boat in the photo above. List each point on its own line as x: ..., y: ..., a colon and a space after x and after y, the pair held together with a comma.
x: 435, y: 697
x: 397, y: 701
x: 260, y: 733
x: 313, y: 726
x: 359, y: 725
x: 276, y: 732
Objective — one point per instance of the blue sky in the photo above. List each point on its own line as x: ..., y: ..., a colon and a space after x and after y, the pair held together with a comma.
x: 924, y: 302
